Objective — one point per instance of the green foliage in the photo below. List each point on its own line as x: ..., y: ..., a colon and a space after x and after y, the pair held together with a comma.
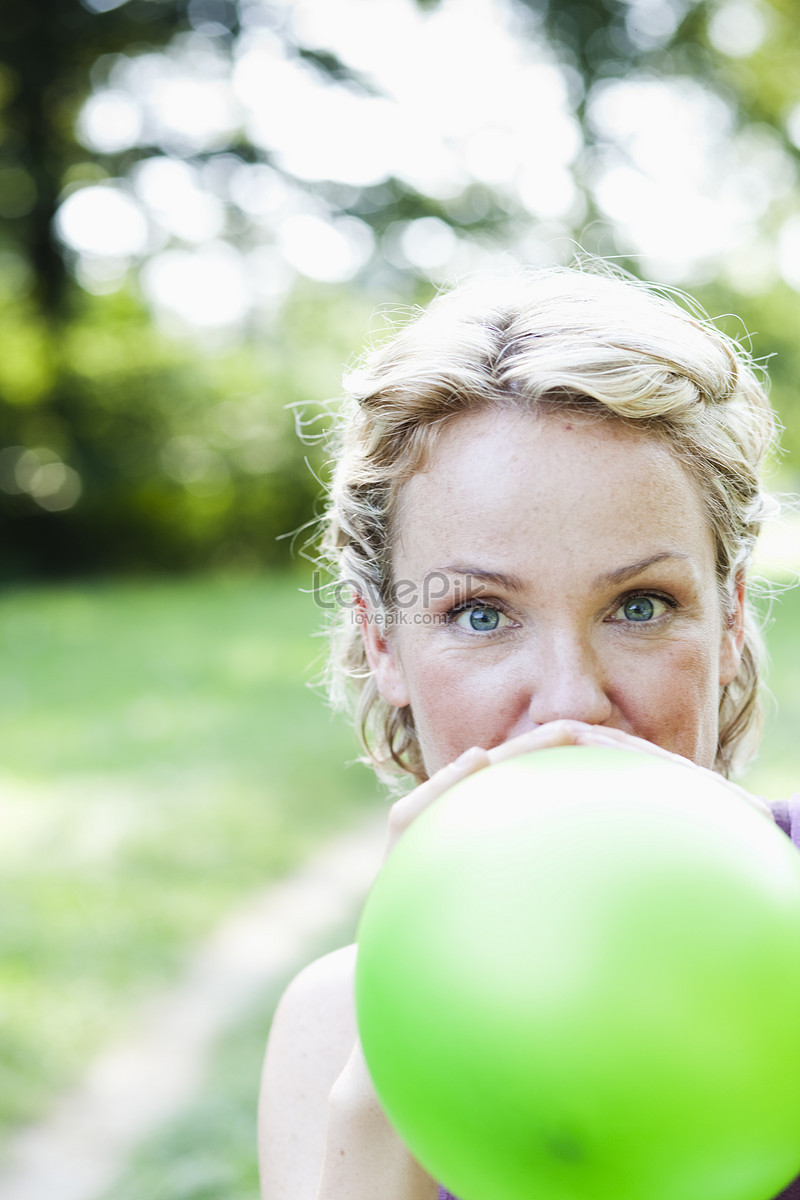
x: 186, y: 457
x: 766, y: 324
x: 123, y: 449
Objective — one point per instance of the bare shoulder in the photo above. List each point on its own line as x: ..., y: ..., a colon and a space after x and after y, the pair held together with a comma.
x: 311, y: 1038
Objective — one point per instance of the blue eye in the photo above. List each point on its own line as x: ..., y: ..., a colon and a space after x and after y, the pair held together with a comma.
x: 480, y: 618
x: 641, y: 609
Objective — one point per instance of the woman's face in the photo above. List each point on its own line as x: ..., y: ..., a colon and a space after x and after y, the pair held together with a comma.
x: 554, y: 567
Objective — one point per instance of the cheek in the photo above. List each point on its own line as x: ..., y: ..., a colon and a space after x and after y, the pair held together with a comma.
x: 675, y: 703
x: 456, y: 706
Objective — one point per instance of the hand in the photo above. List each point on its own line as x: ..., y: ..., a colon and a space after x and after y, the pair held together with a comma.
x: 576, y: 733
x: 554, y: 733
x: 407, y: 808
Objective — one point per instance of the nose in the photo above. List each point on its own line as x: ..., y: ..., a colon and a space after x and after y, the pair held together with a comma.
x: 568, y: 682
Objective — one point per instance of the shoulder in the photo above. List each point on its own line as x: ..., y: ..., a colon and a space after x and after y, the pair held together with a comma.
x: 310, y: 1041
x: 322, y: 991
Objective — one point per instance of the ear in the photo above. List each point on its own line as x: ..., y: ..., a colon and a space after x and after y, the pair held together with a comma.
x: 382, y: 656
x: 730, y: 655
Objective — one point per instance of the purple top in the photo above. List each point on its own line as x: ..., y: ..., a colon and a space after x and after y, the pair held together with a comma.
x: 787, y: 816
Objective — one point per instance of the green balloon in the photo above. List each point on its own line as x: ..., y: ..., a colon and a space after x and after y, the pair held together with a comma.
x: 578, y: 978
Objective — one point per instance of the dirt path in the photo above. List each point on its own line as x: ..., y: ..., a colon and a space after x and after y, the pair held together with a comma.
x: 77, y: 1151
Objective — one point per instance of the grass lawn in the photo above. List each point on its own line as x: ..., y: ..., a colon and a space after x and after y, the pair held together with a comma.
x: 209, y: 1153
x: 160, y: 758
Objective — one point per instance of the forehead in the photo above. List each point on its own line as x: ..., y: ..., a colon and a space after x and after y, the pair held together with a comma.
x: 505, y: 483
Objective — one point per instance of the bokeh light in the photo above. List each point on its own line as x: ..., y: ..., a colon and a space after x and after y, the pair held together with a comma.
x: 456, y: 101
x: 104, y: 220
x: 206, y: 287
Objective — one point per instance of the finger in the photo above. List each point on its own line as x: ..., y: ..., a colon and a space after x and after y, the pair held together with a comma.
x: 601, y: 735
x: 598, y: 735
x: 554, y: 733
x: 405, y: 810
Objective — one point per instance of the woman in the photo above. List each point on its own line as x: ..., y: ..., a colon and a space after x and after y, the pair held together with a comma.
x: 546, y: 496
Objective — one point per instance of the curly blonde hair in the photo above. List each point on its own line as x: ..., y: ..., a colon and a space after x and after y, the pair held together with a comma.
x: 537, y: 341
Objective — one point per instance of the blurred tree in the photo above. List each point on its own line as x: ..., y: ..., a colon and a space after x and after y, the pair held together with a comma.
x: 112, y: 452
x: 148, y: 159
x: 47, y: 52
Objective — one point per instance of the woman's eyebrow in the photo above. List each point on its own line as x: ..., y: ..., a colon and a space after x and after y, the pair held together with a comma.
x: 621, y: 574
x: 501, y: 579
x: 514, y: 583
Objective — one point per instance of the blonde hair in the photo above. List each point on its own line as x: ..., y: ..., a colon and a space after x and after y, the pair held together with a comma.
x: 566, y: 339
